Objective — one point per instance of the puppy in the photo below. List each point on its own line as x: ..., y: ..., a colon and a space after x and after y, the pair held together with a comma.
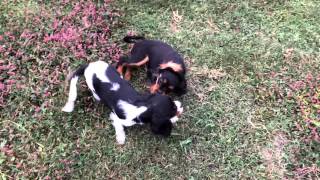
x: 165, y: 67
x: 128, y: 106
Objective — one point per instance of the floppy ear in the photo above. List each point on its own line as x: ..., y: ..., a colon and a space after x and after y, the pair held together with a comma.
x: 182, y: 88
x: 161, y: 126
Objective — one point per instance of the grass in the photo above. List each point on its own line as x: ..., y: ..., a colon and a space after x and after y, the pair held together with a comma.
x: 243, y: 119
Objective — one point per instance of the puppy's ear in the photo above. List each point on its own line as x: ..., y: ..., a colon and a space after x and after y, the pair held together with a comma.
x: 182, y: 88
x: 162, y: 129
x: 160, y: 126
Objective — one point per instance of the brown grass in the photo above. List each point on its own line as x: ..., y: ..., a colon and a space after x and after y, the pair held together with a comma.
x: 273, y: 156
x: 175, y: 21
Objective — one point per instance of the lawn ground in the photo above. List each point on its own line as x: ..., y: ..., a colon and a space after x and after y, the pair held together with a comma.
x: 251, y: 112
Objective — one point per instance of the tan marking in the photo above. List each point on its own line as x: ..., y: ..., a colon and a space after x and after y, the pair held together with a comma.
x: 127, y: 76
x: 154, y: 88
x: 174, y: 66
x: 120, y: 69
x: 130, y: 47
x: 140, y: 63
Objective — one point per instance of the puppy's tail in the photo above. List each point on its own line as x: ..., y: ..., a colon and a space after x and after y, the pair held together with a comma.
x: 69, y: 106
x: 79, y: 72
x: 132, y: 39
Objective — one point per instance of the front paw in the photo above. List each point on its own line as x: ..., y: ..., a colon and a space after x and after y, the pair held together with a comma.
x: 120, y: 139
x: 127, y: 76
x: 113, y: 116
x: 68, y: 107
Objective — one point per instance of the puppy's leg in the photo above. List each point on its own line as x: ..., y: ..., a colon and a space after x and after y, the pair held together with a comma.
x: 142, y: 62
x: 179, y: 112
x: 181, y: 89
x: 120, y: 134
x: 120, y: 69
x: 154, y: 88
x: 139, y: 62
x: 121, y: 64
x: 69, y: 106
x: 127, y: 75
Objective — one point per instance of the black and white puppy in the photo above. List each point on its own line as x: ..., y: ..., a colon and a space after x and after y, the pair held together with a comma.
x: 128, y: 106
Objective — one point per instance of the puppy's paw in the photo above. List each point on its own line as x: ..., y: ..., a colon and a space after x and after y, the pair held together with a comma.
x: 174, y: 119
x: 68, y: 107
x: 120, y: 139
x: 177, y: 103
x: 180, y: 110
x: 179, y: 107
x: 127, y: 76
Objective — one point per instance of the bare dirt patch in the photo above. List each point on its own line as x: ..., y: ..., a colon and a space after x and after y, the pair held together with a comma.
x: 273, y: 156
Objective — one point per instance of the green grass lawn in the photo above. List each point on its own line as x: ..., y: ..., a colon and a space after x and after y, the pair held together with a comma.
x: 243, y: 118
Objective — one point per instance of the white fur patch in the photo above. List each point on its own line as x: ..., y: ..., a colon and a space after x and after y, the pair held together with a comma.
x: 95, y: 96
x: 114, y: 117
x: 72, y: 95
x: 179, y: 111
x: 99, y: 68
x: 179, y: 106
x: 115, y: 87
x: 130, y: 111
x: 68, y: 107
x: 120, y: 133
x: 174, y: 119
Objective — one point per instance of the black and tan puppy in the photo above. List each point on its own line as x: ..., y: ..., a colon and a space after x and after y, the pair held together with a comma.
x: 165, y: 67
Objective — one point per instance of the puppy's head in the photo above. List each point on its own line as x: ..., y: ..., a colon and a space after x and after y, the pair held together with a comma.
x: 171, y: 81
x: 164, y: 113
